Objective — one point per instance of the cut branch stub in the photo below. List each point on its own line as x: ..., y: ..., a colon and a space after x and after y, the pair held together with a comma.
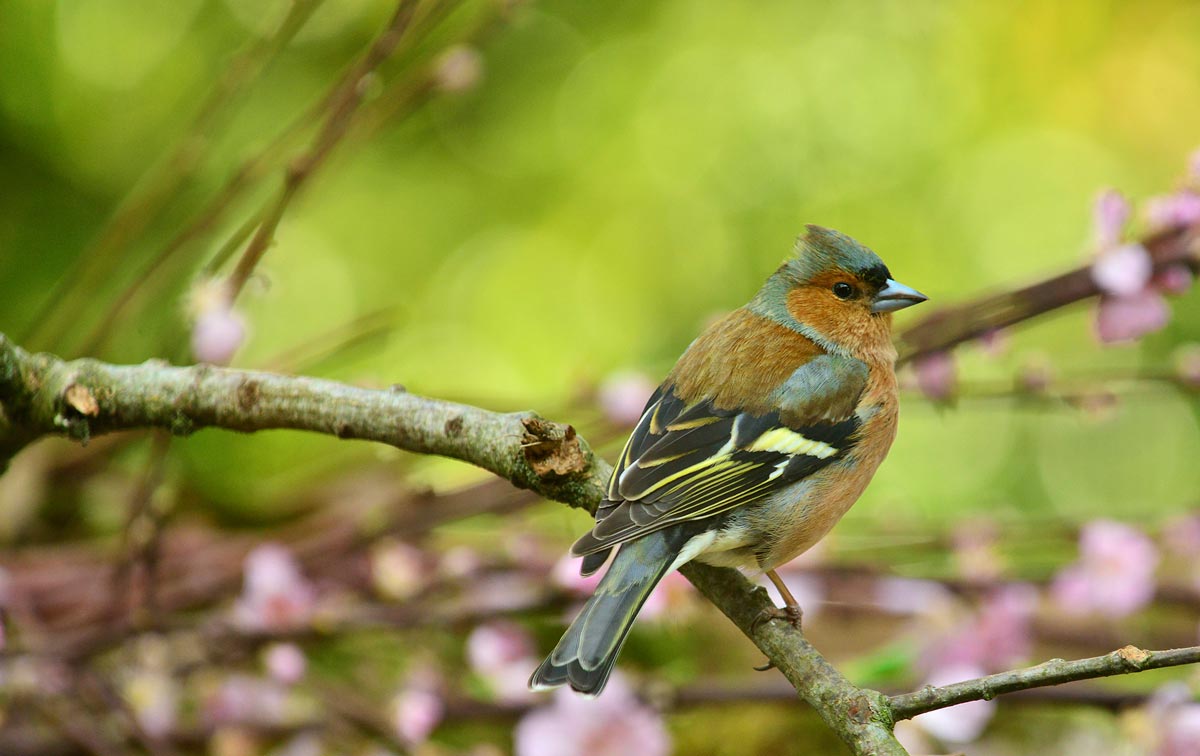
x: 552, y: 449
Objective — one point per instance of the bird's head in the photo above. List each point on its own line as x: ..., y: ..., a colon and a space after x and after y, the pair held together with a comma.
x: 836, y: 291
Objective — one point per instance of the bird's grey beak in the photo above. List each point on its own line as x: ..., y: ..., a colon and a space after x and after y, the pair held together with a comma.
x: 896, y: 296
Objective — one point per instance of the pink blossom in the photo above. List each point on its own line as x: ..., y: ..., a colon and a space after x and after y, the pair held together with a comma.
x: 497, y: 644
x: 672, y: 595
x: 565, y: 574
x: 623, y: 396
x: 1187, y: 364
x: 1181, y: 535
x: 1121, y: 319
x: 1177, y: 210
x: 963, y: 723
x: 898, y: 595
x: 153, y: 696
x: 458, y: 69
x: 1176, y: 720
x: 502, y: 653
x: 217, y: 334
x: 672, y: 598
x: 285, y: 662
x: 995, y: 343
x: 615, y: 724
x: 1114, y: 575
x: 460, y: 562
x: 416, y: 713
x: 275, y: 595
x: 243, y: 699
x: 1110, y: 213
x: 997, y: 637
x: 1181, y: 732
x: 1122, y: 271
x: 936, y: 375
x: 1174, y: 279
x: 397, y: 569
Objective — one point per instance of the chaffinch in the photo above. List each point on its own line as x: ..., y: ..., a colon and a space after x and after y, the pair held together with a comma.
x: 761, y: 437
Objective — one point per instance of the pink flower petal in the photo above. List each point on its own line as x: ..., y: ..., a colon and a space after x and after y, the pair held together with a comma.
x: 565, y: 574
x: 937, y: 376
x: 1122, y: 319
x: 623, y: 397
x: 1114, y: 575
x: 458, y: 69
x: 497, y: 644
x: 1122, y: 271
x: 672, y: 599
x: 1110, y: 213
x: 275, y: 595
x: 285, y: 662
x: 398, y: 569
x: 963, y: 723
x: 416, y: 713
x: 1177, y: 210
x: 216, y: 335
x: 1174, y: 279
x: 615, y: 724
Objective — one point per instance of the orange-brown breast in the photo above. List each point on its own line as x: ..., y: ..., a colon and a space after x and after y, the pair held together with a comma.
x: 796, y: 526
x: 739, y: 360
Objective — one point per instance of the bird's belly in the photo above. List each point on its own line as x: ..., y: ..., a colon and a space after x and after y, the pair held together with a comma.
x: 777, y: 529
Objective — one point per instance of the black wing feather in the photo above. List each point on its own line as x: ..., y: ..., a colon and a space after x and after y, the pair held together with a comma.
x: 693, y: 462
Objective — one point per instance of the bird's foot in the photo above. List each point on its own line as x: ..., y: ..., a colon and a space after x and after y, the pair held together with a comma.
x: 790, y: 613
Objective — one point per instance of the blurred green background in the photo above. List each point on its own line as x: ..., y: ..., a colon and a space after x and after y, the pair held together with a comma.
x: 620, y: 173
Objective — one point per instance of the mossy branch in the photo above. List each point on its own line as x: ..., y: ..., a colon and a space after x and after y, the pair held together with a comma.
x: 42, y: 395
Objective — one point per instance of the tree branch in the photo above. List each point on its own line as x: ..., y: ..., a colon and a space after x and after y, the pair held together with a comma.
x: 1054, y: 672
x: 43, y: 395
x: 950, y: 326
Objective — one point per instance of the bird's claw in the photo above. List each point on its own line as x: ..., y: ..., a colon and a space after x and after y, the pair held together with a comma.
x: 791, y: 614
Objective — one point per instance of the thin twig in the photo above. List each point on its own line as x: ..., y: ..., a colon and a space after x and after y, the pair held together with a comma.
x: 952, y: 325
x: 1054, y: 672
x: 344, y: 104
x: 160, y: 186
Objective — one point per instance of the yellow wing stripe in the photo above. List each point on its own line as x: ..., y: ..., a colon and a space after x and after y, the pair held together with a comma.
x: 655, y: 428
x: 699, y: 422
x: 718, y: 461
x: 664, y: 460
x: 787, y: 441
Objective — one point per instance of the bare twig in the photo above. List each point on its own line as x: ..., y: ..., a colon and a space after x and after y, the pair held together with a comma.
x: 1054, y: 672
x: 345, y: 102
x: 950, y: 326
x: 159, y: 187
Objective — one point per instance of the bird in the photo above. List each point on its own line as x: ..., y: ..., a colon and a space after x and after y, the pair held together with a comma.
x: 763, y: 434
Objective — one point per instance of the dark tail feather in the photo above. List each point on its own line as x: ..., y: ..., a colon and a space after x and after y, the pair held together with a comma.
x: 593, y: 562
x: 585, y: 656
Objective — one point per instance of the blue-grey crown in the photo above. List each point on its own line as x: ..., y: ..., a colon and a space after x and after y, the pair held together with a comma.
x: 823, y: 249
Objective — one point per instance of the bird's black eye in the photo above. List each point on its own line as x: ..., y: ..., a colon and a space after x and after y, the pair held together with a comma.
x: 843, y: 290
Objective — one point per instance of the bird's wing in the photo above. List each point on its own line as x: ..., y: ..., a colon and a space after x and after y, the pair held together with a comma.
x: 693, y: 461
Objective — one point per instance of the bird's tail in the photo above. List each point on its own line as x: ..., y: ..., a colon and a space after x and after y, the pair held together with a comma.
x: 585, y: 655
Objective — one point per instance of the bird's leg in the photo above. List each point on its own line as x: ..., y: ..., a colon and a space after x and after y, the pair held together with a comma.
x: 791, y: 608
